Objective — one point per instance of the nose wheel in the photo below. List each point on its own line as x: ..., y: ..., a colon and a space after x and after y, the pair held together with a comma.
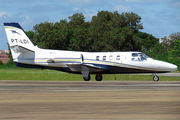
x: 98, y: 77
x: 156, y: 78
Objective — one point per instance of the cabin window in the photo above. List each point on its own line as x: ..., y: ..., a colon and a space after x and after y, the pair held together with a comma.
x: 104, y: 57
x: 111, y: 57
x: 118, y: 57
x: 97, y: 58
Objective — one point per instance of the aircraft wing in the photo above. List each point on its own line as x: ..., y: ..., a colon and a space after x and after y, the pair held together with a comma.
x: 84, y: 67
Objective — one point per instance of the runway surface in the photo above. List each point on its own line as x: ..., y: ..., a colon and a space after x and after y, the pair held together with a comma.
x: 166, y: 74
x: 105, y: 100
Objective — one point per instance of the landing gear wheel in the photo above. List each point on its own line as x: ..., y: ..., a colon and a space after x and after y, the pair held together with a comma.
x: 156, y: 78
x: 87, y: 78
x: 98, y: 77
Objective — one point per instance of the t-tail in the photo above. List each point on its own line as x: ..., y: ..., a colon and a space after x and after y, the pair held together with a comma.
x: 20, y: 45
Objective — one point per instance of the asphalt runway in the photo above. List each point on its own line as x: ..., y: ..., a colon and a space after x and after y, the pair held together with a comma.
x: 105, y: 100
x: 166, y: 74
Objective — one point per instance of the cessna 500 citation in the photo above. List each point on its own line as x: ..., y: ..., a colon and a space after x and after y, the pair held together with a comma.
x: 25, y: 54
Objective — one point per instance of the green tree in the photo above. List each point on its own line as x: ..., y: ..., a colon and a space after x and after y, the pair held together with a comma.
x: 78, y: 29
x: 9, y: 54
x: 102, y: 31
x: 176, y: 49
x: 30, y: 34
x: 148, y: 41
x: 115, y: 32
x: 1, y: 63
x: 107, y: 31
x: 169, y: 42
x: 60, y: 36
x: 157, y: 51
x: 51, y: 36
x: 43, y: 35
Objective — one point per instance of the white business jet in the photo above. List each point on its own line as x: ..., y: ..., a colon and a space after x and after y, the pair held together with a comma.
x: 25, y: 54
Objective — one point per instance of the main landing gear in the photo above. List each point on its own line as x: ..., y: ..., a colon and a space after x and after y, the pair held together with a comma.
x: 98, y: 77
x: 87, y: 78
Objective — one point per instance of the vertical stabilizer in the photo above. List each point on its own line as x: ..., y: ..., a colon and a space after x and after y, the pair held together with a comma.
x: 20, y: 45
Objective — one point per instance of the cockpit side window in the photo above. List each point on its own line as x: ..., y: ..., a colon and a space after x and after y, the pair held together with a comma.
x: 134, y: 54
x: 139, y: 57
x: 135, y: 57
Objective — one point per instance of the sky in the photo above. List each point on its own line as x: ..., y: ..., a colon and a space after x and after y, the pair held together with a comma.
x: 159, y: 17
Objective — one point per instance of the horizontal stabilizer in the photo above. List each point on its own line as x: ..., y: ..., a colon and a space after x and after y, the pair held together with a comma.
x: 20, y: 49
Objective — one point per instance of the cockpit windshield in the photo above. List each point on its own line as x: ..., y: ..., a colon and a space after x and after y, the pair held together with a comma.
x: 139, y: 56
x: 143, y: 56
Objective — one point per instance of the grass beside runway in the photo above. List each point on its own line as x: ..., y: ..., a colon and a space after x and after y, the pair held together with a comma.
x: 51, y: 75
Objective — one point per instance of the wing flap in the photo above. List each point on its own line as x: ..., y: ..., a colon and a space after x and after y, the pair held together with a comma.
x: 74, y: 67
x: 85, y: 67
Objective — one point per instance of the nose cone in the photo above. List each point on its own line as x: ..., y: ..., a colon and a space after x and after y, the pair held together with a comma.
x: 170, y: 67
x: 173, y: 67
x: 165, y: 66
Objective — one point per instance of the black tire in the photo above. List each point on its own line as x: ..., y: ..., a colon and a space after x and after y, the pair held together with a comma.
x: 99, y: 77
x: 156, y: 78
x: 87, y: 78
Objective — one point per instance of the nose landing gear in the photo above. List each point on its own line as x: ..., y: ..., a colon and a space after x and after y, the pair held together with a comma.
x: 156, y: 78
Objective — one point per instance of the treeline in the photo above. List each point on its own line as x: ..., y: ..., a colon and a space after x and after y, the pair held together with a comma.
x: 107, y: 31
